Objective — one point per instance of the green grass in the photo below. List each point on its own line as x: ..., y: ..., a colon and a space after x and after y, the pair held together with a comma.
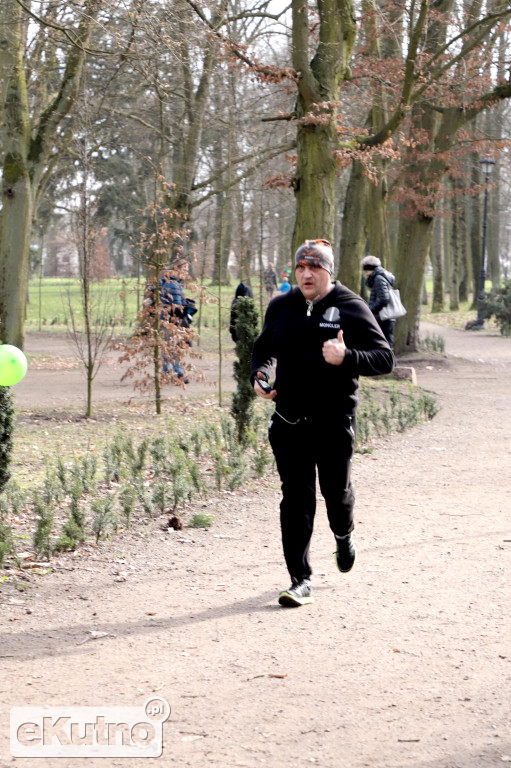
x: 453, y: 319
x: 50, y: 299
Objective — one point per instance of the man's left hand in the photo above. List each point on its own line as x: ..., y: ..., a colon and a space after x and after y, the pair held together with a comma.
x: 334, y: 350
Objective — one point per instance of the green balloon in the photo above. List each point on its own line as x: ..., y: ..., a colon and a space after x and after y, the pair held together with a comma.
x: 13, y: 365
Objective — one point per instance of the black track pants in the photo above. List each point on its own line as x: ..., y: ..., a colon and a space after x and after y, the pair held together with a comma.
x: 387, y: 328
x: 298, y: 449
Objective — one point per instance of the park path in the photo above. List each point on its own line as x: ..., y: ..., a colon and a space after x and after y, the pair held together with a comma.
x: 405, y: 662
x: 56, y: 377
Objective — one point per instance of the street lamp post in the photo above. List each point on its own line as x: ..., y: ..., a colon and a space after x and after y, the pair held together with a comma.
x: 487, y: 166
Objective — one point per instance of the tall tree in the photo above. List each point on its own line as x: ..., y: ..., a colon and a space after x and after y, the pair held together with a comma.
x: 318, y: 83
x: 33, y: 141
x: 434, y: 93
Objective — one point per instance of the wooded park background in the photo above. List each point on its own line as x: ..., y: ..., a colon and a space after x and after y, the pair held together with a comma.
x: 235, y: 129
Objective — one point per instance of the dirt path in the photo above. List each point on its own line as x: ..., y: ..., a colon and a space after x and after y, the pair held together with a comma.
x: 404, y: 662
x: 56, y: 377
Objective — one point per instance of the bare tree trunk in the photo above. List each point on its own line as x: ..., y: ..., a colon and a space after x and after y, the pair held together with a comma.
x: 223, y: 216
x: 413, y: 249
x: 16, y: 215
x: 475, y: 230
x: 203, y: 274
x: 85, y: 269
x: 354, y: 229
x: 454, y: 303
x: 319, y: 82
x: 223, y: 230
x: 495, y: 127
x: 493, y: 226
x: 379, y: 244
x: 29, y: 155
x: 463, y: 246
x: 437, y: 257
x: 180, y: 199
x: 243, y: 261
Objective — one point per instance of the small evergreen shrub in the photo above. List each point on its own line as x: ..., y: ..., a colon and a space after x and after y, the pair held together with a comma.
x: 221, y: 467
x: 104, y: 519
x: 62, y: 473
x: 238, y: 466
x: 242, y: 407
x: 201, y: 520
x: 74, y: 531
x: 196, y: 440
x: 197, y: 482
x: 51, y: 492
x: 433, y: 343
x: 6, y: 541
x: 113, y: 456
x: 15, y: 497
x: 498, y: 303
x: 127, y: 499
x: 159, y: 451
x: 6, y: 434
x: 88, y: 468
x: 182, y: 487
x: 160, y: 496
x: 42, y: 534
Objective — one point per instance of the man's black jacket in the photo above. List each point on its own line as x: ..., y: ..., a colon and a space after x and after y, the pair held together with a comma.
x: 306, y: 384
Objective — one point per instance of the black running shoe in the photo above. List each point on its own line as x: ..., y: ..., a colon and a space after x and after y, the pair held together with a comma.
x: 299, y: 593
x: 345, y: 554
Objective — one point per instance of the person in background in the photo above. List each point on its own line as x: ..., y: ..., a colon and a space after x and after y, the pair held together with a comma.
x: 323, y: 337
x: 270, y: 280
x: 378, y: 281
x: 243, y: 289
x: 287, y: 271
x: 285, y: 285
x: 176, y: 309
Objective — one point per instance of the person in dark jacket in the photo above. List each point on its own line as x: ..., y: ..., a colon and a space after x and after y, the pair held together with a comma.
x: 323, y: 337
x: 176, y: 309
x: 378, y: 281
x: 242, y: 290
x: 270, y: 280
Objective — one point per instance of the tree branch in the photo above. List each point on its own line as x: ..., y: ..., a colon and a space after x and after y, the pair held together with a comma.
x: 237, y: 179
x: 73, y: 38
x: 410, y: 96
x: 273, y: 151
x: 290, y: 116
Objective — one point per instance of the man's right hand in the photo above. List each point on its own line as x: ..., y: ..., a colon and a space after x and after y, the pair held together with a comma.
x: 260, y: 392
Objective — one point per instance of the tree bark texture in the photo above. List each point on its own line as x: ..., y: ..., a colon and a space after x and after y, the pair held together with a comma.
x: 437, y: 258
x: 412, y: 253
x: 29, y: 157
x: 454, y: 299
x: 316, y: 112
x: 196, y: 102
x: 463, y: 248
x: 475, y: 230
x: 379, y: 243
x: 16, y: 193
x: 354, y: 228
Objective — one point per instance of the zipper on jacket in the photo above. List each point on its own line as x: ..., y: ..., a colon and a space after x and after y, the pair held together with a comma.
x: 310, y: 304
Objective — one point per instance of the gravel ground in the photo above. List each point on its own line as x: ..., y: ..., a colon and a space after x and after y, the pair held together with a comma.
x: 406, y: 661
